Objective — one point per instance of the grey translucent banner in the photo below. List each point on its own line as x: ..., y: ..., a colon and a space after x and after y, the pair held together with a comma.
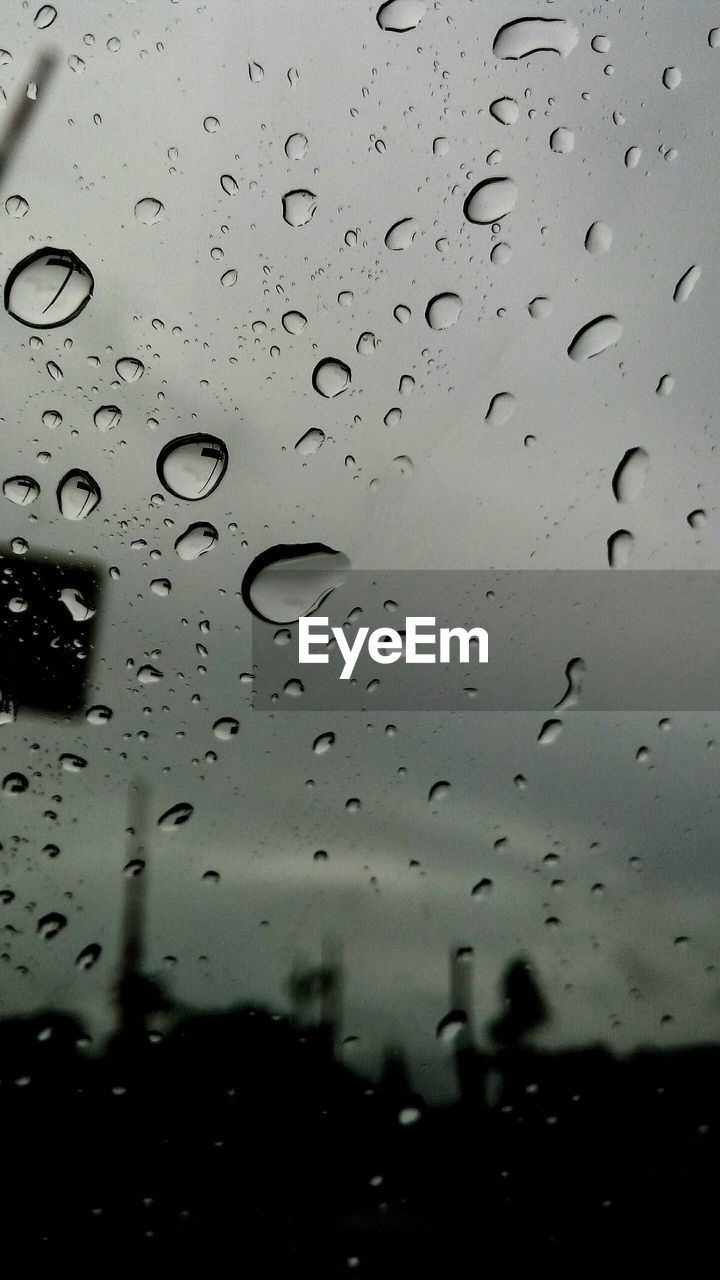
x: 602, y: 640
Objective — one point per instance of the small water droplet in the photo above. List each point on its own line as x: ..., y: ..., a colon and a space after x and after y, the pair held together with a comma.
x: 191, y: 467
x: 438, y: 792
x: 620, y: 546
x: 310, y: 442
x: 540, y: 308
x: 331, y: 377
x: 598, y: 238
x: 45, y: 16
x: 686, y: 284
x: 323, y: 743
x: 149, y: 211
x: 48, y: 288
x: 175, y: 817
x: 526, y: 36
x: 629, y: 478
x: 491, y: 200
x: 550, y: 732
x: 483, y: 888
x: 196, y: 541
x: 14, y: 784
x: 296, y: 146
x: 671, y: 77
x: 89, y: 956
x: 16, y: 206
x: 501, y: 408
x: 449, y: 1027
x: 299, y: 207
x: 562, y: 141
x: 294, y: 322
x: 78, y: 495
x: 505, y: 110
x: 226, y: 728
x: 50, y: 925
x: 443, y: 310
x: 129, y: 368
x: 98, y: 714
x: 22, y: 490
x: 107, y: 417
x: 595, y: 337
x: 400, y: 15
x: 211, y: 124
x: 401, y: 234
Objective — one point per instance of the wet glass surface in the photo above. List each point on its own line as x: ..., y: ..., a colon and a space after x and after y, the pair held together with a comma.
x: 424, y: 286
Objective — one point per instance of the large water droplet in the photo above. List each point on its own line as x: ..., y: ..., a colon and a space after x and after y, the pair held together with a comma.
x: 401, y: 234
x: 192, y: 467
x: 129, y: 369
x: 175, y: 817
x: 505, y: 110
x: 595, y: 337
x: 620, y: 546
x: 107, y: 417
x: 299, y: 207
x: 294, y: 322
x: 229, y: 184
x: 525, y: 36
x: 196, y: 541
x: 671, y: 77
x: 273, y: 589
x: 323, y: 743
x: 98, y: 714
x: 550, y: 732
x: 686, y: 284
x: 89, y: 956
x: 226, y: 728
x: 438, y: 792
x: 149, y: 210
x: 16, y: 206
x: 310, y: 442
x: 45, y: 16
x: 331, y: 377
x: 400, y: 15
x: 562, y: 141
x: 14, y: 784
x: 443, y: 310
x: 598, y: 238
x: 48, y: 288
x: 78, y: 607
x: 50, y: 925
x: 78, y: 495
x: 501, y: 407
x: 630, y: 475
x: 21, y: 490
x: 296, y: 146
x: 491, y: 200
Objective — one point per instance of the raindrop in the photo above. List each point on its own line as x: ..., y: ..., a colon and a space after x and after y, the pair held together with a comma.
x: 697, y: 518
x: 149, y: 210
x: 226, y: 728
x: 45, y: 17
x: 48, y: 288
x: 296, y: 146
x: 402, y: 314
x: 54, y: 370
x: 16, y: 206
x: 619, y: 547
x: 483, y: 888
x: 408, y: 1115
x: 310, y: 442
x: 714, y: 38
x: 443, y: 310
x: 196, y: 541
x: 449, y: 1027
x: 229, y: 184
x: 273, y: 590
x: 148, y: 674
x: 255, y: 72
x: 501, y: 407
x: 161, y: 587
x: 400, y: 15
x: 129, y: 369
x: 672, y: 77
x: 505, y: 110
x: 665, y: 385
x: 595, y: 337
x: 331, y: 377
x: 366, y: 344
x: 211, y: 124
x: 51, y: 925
x: 574, y: 673
x: 22, y: 490
x: 629, y: 478
x: 14, y: 784
x: 525, y: 36
x: 89, y: 956
x: 294, y: 322
x: 550, y: 732
x: 78, y: 495
x: 401, y: 234
x: 175, y: 817
x: 98, y: 714
x: 491, y: 200
x: 632, y: 157
x: 600, y: 44
x: 192, y: 467
x: 71, y: 763
x: 51, y: 419
x: 229, y: 278
x: 562, y: 141
x: 598, y: 238
x: 299, y: 207
x: 686, y: 284
x: 540, y: 308
x: 76, y: 604
x: 403, y: 464
x: 438, y: 792
x: 107, y: 417
x: 323, y: 743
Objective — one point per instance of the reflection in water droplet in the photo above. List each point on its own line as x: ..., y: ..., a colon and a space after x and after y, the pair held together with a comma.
x: 226, y: 728
x: 310, y: 442
x: 505, y: 110
x: 129, y: 369
x: 107, y: 417
x: 149, y: 210
x: 401, y: 234
x: 630, y: 475
x: 620, y: 546
x: 491, y: 200
x: 78, y: 607
x: 22, y: 490
x: 192, y: 467
x: 175, y: 817
x: 550, y: 732
x: 296, y: 146
x: 525, y: 36
x: 598, y: 238
x: 299, y: 207
x: 331, y: 377
x: 78, y: 495
x: 501, y: 407
x: 686, y: 284
x: 275, y: 591
x: 16, y: 206
x: 595, y: 337
x: 443, y: 310
x: 196, y: 541
x: 294, y: 322
x: 400, y: 15
x: 48, y: 288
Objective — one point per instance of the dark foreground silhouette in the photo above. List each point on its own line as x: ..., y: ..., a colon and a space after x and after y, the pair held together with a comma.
x: 236, y: 1144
